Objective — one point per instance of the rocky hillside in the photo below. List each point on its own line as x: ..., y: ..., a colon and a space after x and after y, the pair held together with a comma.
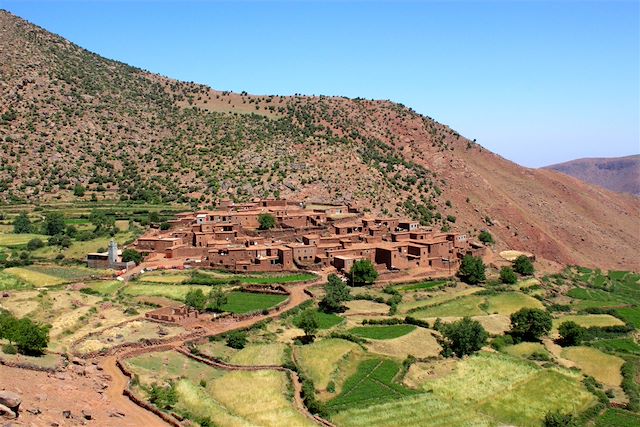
x: 71, y: 118
x: 621, y: 174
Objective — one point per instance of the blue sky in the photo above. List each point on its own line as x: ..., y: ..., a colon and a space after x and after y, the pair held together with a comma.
x: 537, y: 82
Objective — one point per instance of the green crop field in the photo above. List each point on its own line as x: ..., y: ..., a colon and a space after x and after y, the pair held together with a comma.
x: 587, y: 321
x: 617, y: 345
x: 105, y: 287
x: 246, y: 302
x: 373, y: 382
x: 525, y: 349
x: 504, y: 303
x: 618, y: 418
x: 630, y: 315
x: 325, y: 320
x: 10, y: 281
x: 385, y: 332
x: 432, y: 284
x: 271, y: 279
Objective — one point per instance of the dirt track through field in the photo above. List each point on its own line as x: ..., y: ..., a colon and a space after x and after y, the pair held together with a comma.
x: 136, y: 415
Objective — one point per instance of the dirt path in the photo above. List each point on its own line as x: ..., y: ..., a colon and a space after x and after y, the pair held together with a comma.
x: 138, y: 416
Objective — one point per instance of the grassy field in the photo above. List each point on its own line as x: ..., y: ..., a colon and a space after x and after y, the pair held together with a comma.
x: 49, y: 275
x: 421, y: 286
x: 587, y: 321
x: 223, y: 277
x: 507, y: 303
x: 325, y: 320
x: 226, y: 398
x: 105, y: 287
x: 526, y: 403
x: 422, y: 410
x: 260, y: 354
x: 385, y: 332
x: 175, y: 292
x: 11, y: 282
x: 603, y: 367
x: 162, y: 277
x: 373, y: 382
x: 11, y: 239
x: 525, y: 349
x: 435, y: 298
x: 630, y: 315
x: 356, y: 307
x: 245, y: 302
x: 419, y: 343
x: 321, y: 359
x: 618, y: 418
x: 504, y: 303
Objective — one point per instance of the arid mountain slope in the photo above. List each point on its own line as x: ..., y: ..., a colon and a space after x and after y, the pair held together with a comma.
x: 69, y: 117
x: 621, y: 174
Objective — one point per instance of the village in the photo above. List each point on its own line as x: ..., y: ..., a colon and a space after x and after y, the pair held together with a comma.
x: 270, y: 235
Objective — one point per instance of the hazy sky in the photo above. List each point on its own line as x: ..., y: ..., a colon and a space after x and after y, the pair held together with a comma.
x: 537, y: 82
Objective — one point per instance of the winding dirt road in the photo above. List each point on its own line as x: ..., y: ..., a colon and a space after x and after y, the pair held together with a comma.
x: 137, y: 416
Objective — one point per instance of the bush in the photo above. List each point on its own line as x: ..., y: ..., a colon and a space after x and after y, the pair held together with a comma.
x: 195, y: 298
x: 523, y: 265
x: 9, y: 349
x: 308, y: 322
x: 53, y: 224
x: 267, y: 221
x: 463, y: 337
x: 629, y: 371
x: 529, y: 324
x: 485, y: 237
x: 558, y: 419
x: 34, y: 244
x: 501, y: 342
x: 237, y: 340
x: 508, y: 276
x: 472, y: 270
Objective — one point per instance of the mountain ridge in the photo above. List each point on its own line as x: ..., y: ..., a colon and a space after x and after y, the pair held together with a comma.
x: 619, y: 174
x: 75, y: 118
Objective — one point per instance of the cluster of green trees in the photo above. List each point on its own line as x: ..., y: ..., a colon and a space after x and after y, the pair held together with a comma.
x: 214, y: 301
x: 337, y: 293
x: 24, y: 335
x: 473, y: 271
x: 362, y: 273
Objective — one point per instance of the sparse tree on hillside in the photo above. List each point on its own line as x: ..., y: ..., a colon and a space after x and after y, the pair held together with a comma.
x: 472, y: 270
x: 485, y: 237
x: 362, y: 273
x: 463, y: 337
x: 22, y: 224
x: 53, y: 223
x: 571, y: 333
x: 78, y: 190
x: 337, y: 292
x: 308, y: 322
x: 217, y: 299
x: 195, y: 298
x: 529, y: 324
x: 523, y: 265
x: 34, y: 244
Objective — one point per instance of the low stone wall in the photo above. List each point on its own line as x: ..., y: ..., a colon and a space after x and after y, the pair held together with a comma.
x: 169, y: 419
x: 32, y: 367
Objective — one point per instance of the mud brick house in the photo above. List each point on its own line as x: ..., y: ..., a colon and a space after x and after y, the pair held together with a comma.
x: 112, y: 259
x: 306, y: 236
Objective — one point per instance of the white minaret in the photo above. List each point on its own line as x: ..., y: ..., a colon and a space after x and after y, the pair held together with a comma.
x: 113, y: 252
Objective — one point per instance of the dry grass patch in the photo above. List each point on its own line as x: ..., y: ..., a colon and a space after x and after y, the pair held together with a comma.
x: 161, y: 277
x: 419, y: 343
x: 356, y: 307
x: 495, y: 324
x: 130, y: 332
x: 427, y: 299
x: 587, y: 321
x: 601, y: 366
x: 421, y: 372
x: 260, y: 354
x: 259, y: 397
x: 321, y: 359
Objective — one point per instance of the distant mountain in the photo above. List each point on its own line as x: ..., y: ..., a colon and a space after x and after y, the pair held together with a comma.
x: 69, y: 117
x: 621, y: 174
